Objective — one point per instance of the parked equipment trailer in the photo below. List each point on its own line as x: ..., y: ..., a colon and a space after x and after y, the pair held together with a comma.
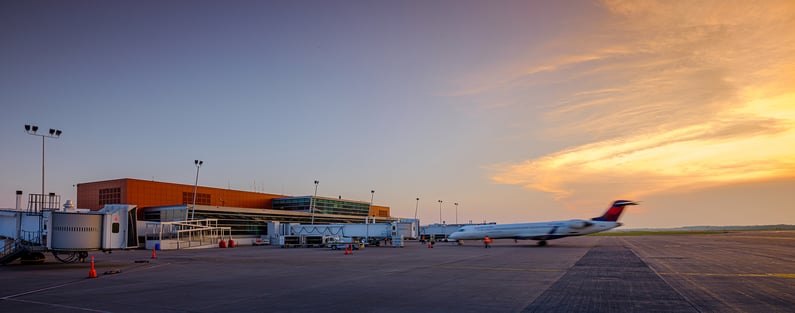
x: 341, y: 243
x: 289, y: 241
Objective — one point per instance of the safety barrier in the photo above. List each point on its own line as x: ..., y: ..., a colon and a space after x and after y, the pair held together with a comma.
x: 186, y: 234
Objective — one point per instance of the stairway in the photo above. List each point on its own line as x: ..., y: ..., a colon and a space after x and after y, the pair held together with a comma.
x: 11, y: 252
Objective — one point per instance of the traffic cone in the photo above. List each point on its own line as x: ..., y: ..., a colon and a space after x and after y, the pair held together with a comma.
x: 92, y: 273
x: 154, y: 255
x: 346, y: 250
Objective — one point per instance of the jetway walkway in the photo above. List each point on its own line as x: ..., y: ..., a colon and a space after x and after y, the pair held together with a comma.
x: 68, y: 233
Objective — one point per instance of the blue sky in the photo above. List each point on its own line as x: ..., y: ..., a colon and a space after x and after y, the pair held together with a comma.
x: 523, y: 110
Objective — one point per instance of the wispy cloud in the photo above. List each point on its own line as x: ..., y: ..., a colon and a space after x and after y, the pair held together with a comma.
x: 704, y: 96
x: 719, y: 152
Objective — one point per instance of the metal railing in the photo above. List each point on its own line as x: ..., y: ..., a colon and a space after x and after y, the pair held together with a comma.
x: 30, y: 238
x: 38, y: 203
x: 188, y: 234
x: 10, y: 250
x: 9, y: 246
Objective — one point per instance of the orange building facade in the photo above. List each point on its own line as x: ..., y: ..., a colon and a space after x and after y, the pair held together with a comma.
x: 144, y: 193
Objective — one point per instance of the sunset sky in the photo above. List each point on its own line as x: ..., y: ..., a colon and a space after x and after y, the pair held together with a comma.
x: 516, y: 110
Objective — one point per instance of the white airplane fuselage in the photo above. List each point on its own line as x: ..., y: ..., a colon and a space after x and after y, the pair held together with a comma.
x: 533, y: 231
x: 543, y: 231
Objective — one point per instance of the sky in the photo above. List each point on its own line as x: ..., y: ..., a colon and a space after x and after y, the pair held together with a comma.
x: 515, y: 110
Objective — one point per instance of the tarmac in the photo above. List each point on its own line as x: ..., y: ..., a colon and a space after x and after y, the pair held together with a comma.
x: 730, y: 272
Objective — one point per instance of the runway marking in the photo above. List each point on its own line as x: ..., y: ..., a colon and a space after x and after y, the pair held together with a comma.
x: 56, y: 305
x: 9, y: 297
x: 762, y: 237
x: 30, y: 292
x: 485, y: 268
x: 774, y: 275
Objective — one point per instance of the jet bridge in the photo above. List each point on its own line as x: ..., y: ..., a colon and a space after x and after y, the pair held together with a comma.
x: 67, y: 233
x: 371, y: 233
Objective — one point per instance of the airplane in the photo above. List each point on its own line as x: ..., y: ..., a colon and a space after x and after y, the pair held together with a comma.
x: 543, y: 231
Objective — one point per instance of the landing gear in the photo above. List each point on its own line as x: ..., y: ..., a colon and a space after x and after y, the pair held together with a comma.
x: 542, y: 243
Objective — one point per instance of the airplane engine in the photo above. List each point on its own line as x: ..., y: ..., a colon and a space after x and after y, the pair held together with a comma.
x: 579, y: 224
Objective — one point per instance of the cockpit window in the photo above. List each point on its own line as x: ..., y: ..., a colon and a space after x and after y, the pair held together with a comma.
x: 461, y: 229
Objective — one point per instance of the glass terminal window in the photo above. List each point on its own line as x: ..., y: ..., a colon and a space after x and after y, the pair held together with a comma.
x: 109, y: 196
x: 201, y: 198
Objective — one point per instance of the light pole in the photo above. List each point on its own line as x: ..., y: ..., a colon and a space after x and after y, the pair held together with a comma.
x: 440, y: 211
x: 456, y: 212
x: 367, y: 219
x: 198, y: 164
x: 416, y: 208
x: 54, y: 133
x: 313, y: 203
x: 415, y: 217
x: 372, y: 194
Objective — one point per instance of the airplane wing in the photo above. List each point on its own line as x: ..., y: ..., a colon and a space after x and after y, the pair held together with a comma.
x: 539, y: 233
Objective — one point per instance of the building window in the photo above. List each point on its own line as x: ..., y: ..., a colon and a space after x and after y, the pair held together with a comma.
x: 109, y: 196
x: 322, y: 206
x: 201, y: 198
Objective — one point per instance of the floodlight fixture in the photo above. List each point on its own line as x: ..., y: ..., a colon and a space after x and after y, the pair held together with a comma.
x: 53, y: 133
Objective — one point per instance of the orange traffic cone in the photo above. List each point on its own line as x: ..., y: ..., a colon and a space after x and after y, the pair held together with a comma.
x: 92, y: 273
x: 154, y: 255
x: 346, y: 250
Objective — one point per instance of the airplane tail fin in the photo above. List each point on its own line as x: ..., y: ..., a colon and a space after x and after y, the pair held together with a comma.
x: 614, y: 211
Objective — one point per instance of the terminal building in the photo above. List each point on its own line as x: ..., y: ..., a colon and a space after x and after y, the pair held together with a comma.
x: 246, y: 213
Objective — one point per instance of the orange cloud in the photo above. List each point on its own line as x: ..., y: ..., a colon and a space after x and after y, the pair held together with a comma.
x: 719, y: 152
x: 704, y: 97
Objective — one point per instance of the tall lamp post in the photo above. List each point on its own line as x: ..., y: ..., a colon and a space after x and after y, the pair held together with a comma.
x: 372, y: 194
x: 416, y: 208
x: 367, y: 219
x: 54, y: 133
x: 313, y: 202
x: 198, y: 164
x: 456, y: 212
x: 415, y: 218
x: 440, y: 211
